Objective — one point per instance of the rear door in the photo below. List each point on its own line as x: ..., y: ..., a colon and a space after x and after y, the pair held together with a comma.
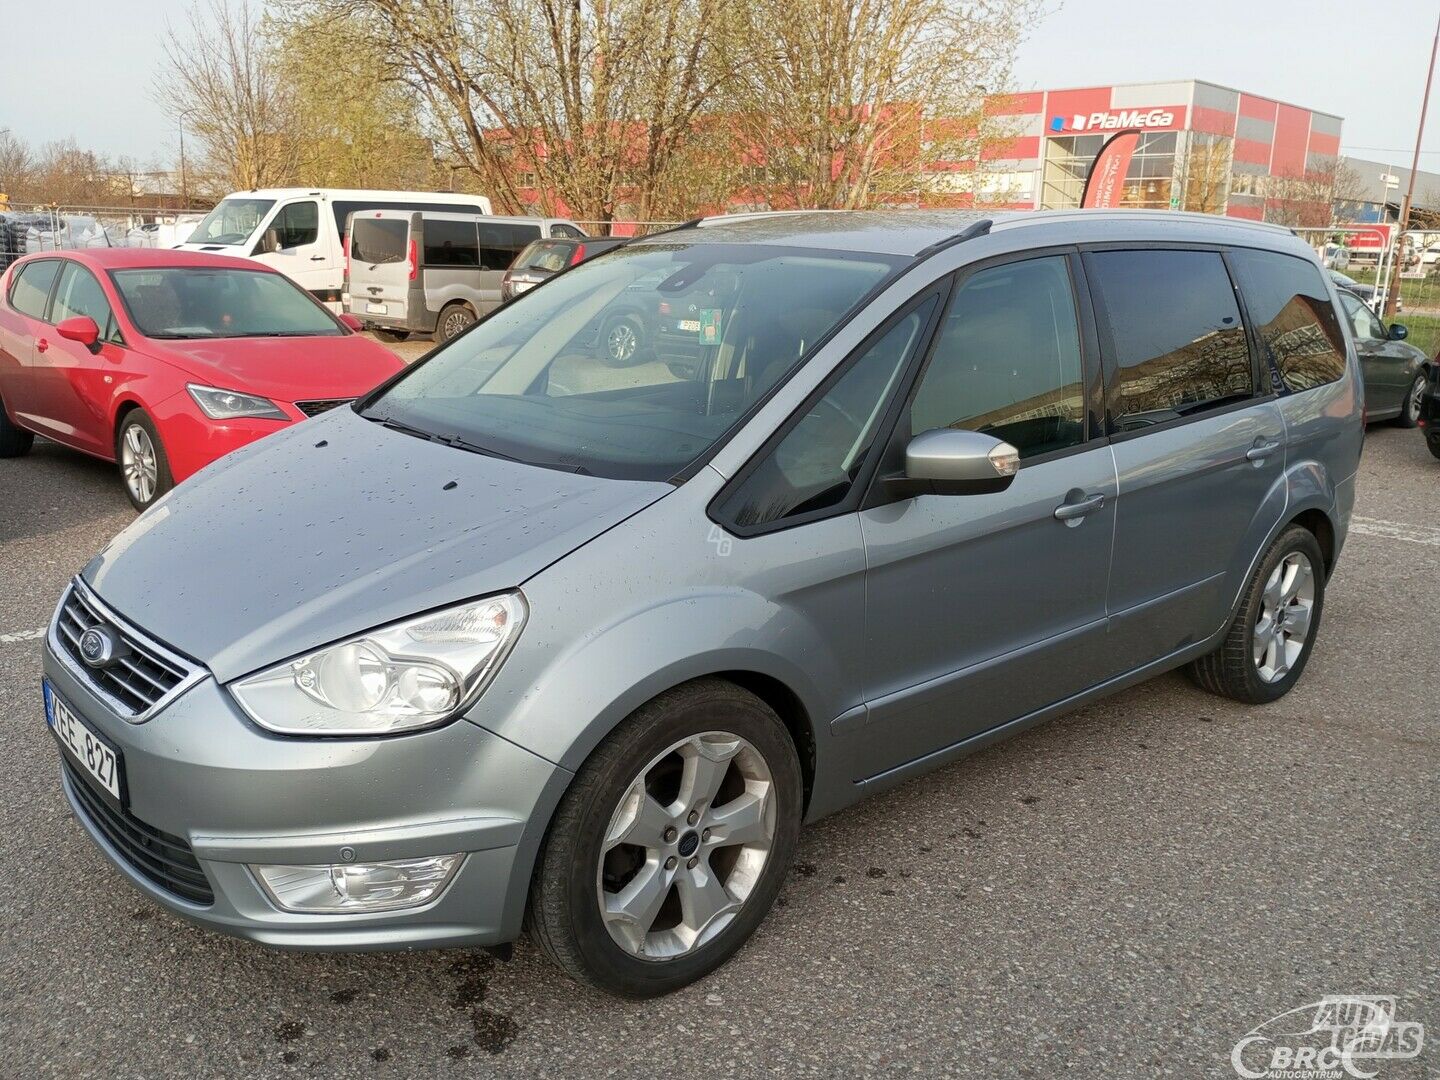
x: 20, y: 330
x: 500, y: 244
x: 381, y: 273
x: 1199, y: 446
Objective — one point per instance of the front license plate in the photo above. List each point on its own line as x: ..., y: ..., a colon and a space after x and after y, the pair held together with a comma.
x: 689, y: 326
x: 92, y: 754
x: 375, y: 309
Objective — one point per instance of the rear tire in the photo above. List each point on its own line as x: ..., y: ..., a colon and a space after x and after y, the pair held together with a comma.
x: 686, y: 878
x: 1410, y: 407
x: 1432, y: 440
x: 454, y: 320
x: 15, y: 441
x: 140, y: 455
x: 1258, y: 661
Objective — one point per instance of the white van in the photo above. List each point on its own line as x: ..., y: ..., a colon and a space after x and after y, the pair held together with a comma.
x: 429, y: 272
x: 299, y: 231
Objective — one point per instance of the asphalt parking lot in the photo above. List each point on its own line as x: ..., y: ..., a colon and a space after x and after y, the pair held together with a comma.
x: 1124, y: 892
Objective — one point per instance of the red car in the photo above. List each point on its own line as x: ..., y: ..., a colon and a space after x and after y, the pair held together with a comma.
x: 166, y: 360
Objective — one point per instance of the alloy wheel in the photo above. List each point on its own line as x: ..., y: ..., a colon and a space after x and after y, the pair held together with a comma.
x: 1417, y: 395
x: 1286, y: 609
x: 686, y: 846
x: 456, y: 322
x: 139, y: 463
x: 621, y: 342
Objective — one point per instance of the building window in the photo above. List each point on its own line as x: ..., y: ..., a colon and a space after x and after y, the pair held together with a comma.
x: 1149, y: 182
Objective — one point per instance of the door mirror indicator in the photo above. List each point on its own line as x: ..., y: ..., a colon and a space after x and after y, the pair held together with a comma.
x: 80, y: 328
x: 951, y: 461
x: 1399, y: 331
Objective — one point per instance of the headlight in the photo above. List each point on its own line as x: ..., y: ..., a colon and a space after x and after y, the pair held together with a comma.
x: 230, y: 404
x: 404, y: 677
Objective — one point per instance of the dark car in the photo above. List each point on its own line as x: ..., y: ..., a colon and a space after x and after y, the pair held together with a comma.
x: 1430, y: 408
x: 1349, y: 284
x: 543, y: 259
x: 1393, y: 370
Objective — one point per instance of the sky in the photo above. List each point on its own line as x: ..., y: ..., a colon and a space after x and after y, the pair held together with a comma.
x: 1363, y: 60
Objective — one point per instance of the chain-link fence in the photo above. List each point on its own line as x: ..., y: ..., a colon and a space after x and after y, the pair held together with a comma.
x: 61, y: 228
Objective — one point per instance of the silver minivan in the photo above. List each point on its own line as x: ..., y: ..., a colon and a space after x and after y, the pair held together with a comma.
x: 529, y: 639
x: 432, y: 272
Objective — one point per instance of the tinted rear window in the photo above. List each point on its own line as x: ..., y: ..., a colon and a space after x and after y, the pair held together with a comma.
x: 1300, y: 336
x: 1176, y: 330
x: 380, y: 240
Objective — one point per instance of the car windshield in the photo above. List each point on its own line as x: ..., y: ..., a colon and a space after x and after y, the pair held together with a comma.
x: 633, y: 365
x: 205, y: 302
x: 231, y: 222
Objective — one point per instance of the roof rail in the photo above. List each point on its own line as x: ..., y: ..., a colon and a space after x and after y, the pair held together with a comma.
x: 974, y: 229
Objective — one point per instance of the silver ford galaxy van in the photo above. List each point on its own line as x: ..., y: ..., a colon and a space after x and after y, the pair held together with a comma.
x: 431, y: 272
x: 529, y: 639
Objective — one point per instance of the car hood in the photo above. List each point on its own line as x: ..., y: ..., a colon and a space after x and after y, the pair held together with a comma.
x: 284, y: 369
x: 336, y: 526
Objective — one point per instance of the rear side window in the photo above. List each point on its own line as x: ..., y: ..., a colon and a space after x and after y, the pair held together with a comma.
x: 450, y: 243
x: 1007, y: 362
x: 1300, y: 336
x: 347, y: 207
x: 1176, y: 331
x: 32, y: 287
x: 501, y: 241
x: 380, y: 240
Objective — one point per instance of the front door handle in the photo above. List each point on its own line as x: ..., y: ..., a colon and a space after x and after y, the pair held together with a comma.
x: 1070, y: 511
x: 42, y: 345
x: 1260, y: 451
x: 317, y: 258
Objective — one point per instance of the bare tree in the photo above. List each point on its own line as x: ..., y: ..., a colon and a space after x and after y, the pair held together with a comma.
x: 1203, y: 172
x: 224, y: 83
x: 852, y: 102
x: 17, y: 167
x: 1305, y: 199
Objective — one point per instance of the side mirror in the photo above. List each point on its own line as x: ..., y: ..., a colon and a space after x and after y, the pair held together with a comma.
x: 269, y: 242
x: 351, y: 321
x: 1398, y: 331
x: 80, y: 328
x: 949, y: 461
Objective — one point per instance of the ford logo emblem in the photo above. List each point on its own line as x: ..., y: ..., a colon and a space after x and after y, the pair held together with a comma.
x: 97, y: 646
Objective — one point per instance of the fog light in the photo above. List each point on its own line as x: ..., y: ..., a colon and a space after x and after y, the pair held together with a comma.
x: 341, y: 888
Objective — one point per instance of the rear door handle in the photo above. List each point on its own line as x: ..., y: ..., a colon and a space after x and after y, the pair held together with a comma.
x: 1260, y: 451
x: 1069, y: 511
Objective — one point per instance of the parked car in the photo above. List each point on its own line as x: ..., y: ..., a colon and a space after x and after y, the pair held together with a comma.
x: 1393, y: 370
x: 527, y: 639
x: 543, y: 259
x: 166, y: 360
x: 1335, y: 257
x: 434, y: 273
x: 1349, y: 284
x: 300, y: 231
x: 1430, y: 409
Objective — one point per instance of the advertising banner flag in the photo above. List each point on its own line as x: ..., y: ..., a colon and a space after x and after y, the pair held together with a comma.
x: 1105, y: 183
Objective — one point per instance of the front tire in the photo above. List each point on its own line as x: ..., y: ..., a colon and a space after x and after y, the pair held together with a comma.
x: 1410, y: 408
x: 622, y: 339
x: 15, y: 441
x: 671, y: 844
x: 1269, y: 643
x: 144, y: 468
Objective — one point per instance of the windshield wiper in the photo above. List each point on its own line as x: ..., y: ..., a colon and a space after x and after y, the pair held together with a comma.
x: 402, y: 427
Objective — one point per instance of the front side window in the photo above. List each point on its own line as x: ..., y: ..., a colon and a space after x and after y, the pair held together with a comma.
x: 450, y: 243
x: 1178, y: 339
x: 1363, y: 323
x: 32, y: 287
x: 1007, y: 360
x: 1300, y: 336
x: 79, y: 293
x: 198, y: 302
x: 231, y: 222
x: 297, y: 224
x: 815, y: 465
x: 714, y: 327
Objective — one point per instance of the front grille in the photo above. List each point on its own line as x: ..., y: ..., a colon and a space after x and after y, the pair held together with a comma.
x: 143, y: 675
x: 315, y: 408
x: 157, y: 856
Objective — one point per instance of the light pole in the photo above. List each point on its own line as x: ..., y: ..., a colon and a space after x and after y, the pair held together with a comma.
x: 1391, y: 296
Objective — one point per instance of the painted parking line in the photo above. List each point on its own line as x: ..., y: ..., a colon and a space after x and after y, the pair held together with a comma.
x: 22, y: 635
x: 1396, y: 530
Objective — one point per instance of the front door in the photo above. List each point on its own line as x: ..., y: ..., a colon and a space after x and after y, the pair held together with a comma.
x: 1385, y: 365
x: 1199, y: 453
x: 294, y: 243
x: 74, y: 382
x: 981, y: 609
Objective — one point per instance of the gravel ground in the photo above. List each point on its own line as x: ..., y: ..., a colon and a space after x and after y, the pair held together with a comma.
x: 1123, y: 892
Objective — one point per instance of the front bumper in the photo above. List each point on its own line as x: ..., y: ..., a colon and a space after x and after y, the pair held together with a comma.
x: 201, y: 771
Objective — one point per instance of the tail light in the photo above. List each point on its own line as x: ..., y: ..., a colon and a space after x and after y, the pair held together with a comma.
x: 345, y: 245
x: 664, y: 307
x: 414, y: 261
x: 579, y: 255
